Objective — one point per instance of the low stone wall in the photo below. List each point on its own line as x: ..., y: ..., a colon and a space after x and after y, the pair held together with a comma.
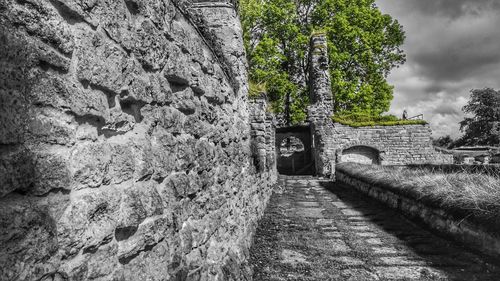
x: 396, y: 145
x: 462, y: 230
x: 125, y: 142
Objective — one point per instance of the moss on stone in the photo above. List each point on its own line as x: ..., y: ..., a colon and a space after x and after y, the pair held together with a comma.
x: 255, y: 90
x: 319, y: 46
x: 318, y: 32
x: 362, y: 120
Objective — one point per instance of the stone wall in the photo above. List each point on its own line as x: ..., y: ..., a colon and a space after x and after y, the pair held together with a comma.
x: 360, y: 154
x: 125, y: 142
x: 395, y: 145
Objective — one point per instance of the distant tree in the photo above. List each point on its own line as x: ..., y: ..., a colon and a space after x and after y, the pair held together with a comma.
x: 364, y: 45
x: 483, y: 127
x: 444, y: 141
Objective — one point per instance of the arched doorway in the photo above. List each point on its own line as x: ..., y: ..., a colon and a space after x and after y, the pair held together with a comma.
x: 293, y: 148
x: 361, y: 154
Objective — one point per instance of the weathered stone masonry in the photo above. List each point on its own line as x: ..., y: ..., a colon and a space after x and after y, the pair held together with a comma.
x: 391, y: 145
x: 263, y: 132
x: 125, y: 142
x: 333, y: 142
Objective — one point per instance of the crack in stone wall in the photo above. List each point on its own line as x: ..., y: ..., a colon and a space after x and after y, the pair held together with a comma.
x: 125, y: 149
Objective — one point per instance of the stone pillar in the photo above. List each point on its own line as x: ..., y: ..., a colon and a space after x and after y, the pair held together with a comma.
x: 321, y: 109
x: 319, y: 78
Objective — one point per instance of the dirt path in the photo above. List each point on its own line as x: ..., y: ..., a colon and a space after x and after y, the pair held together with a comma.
x: 317, y: 230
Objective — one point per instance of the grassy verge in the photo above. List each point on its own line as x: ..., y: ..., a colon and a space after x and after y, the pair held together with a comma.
x: 489, y: 170
x: 462, y: 194
x: 362, y: 120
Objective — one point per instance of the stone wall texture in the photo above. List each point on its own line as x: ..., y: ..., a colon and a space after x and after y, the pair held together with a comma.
x: 360, y: 154
x: 395, y: 145
x: 320, y: 90
x: 125, y: 142
x: 263, y: 134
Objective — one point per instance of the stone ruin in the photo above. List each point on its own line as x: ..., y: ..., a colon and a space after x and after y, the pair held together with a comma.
x: 333, y: 143
x: 128, y: 148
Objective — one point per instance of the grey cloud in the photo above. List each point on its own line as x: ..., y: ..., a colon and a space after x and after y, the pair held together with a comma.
x: 452, y: 46
x: 453, y: 8
x: 447, y: 109
x: 456, y: 60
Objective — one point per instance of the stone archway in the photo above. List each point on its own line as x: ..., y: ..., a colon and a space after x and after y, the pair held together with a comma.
x: 294, y: 151
x: 361, y: 154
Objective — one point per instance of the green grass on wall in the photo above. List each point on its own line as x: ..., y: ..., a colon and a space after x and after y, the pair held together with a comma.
x: 365, y: 120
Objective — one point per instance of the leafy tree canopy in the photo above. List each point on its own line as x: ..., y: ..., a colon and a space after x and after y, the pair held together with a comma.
x: 364, y: 45
x: 483, y: 125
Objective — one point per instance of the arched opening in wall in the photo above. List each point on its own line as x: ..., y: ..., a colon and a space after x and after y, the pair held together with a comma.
x: 291, y: 145
x: 293, y: 149
x: 361, y: 154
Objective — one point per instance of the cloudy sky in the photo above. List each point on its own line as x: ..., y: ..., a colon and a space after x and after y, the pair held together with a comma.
x: 452, y: 46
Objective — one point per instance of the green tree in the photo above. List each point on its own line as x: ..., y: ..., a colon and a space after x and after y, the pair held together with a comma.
x: 483, y: 125
x: 364, y: 45
x: 274, y: 44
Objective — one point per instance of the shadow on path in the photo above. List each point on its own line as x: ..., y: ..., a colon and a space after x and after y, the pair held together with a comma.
x: 319, y: 230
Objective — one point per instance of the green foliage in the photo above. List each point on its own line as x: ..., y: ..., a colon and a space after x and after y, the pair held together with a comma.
x: 318, y: 32
x: 365, y: 120
x: 255, y: 90
x: 483, y: 128
x: 364, y: 45
x: 275, y: 44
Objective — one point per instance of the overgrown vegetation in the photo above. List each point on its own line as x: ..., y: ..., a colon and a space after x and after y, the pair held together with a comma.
x: 255, y: 90
x: 364, y: 45
x: 463, y: 194
x: 364, y: 120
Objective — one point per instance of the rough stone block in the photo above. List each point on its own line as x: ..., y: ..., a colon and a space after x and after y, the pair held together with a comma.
x: 89, y: 164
